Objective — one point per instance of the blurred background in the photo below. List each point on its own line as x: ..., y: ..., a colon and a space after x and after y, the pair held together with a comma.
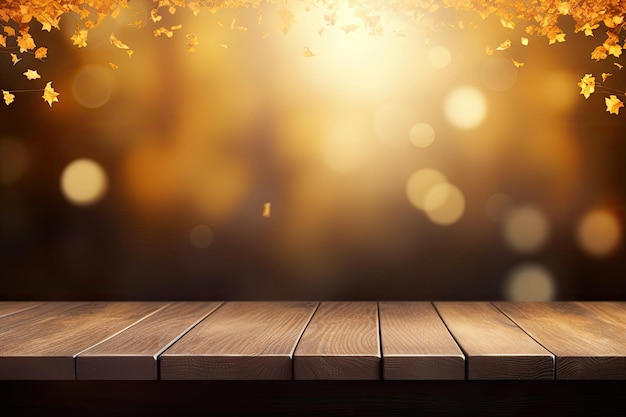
x: 343, y: 160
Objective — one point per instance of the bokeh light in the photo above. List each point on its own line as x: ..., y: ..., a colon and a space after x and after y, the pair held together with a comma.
x: 201, y: 236
x: 420, y: 183
x: 498, y: 206
x: 444, y: 204
x: 525, y: 229
x: 465, y: 107
x: 422, y: 135
x: 83, y: 182
x: 599, y: 233
x: 92, y: 86
x: 499, y: 73
x: 438, y: 57
x: 13, y: 160
x: 530, y: 282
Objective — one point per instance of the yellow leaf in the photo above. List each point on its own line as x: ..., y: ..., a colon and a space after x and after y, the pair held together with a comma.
x: 176, y: 27
x: 32, y: 74
x: 587, y: 85
x: 113, y: 66
x: 613, y: 104
x: 9, y: 30
x: 517, y: 64
x: 267, y: 207
x: 223, y: 45
x: 192, y: 42
x: 119, y: 44
x: 599, y: 53
x: 80, y: 38
x: 154, y: 15
x: 163, y: 31
x: 619, y: 66
x: 25, y: 42
x: 605, y: 75
x: 172, y: 10
x: 287, y: 19
x: 3, y: 41
x: 15, y: 59
x: 307, y: 53
x: 509, y: 24
x: 563, y: 7
x: 524, y: 41
x: 488, y: 51
x: 41, y: 53
x: 504, y: 45
x: 49, y: 94
x: 8, y: 97
x: 195, y: 7
x: 556, y: 37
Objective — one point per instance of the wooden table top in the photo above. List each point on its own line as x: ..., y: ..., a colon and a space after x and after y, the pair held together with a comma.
x: 312, y: 340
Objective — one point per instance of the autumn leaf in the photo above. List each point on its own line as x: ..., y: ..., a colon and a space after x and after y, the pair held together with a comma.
x: 49, y: 95
x: 8, y: 97
x: 195, y: 7
x: 613, y: 104
x: 163, y: 31
x: 599, y: 53
x: 517, y: 64
x: 307, y: 53
x: 524, y: 41
x: 504, y: 45
x: 80, y: 38
x: 619, y: 66
x: 32, y: 74
x: 9, y: 30
x: 349, y: 28
x: 25, y: 42
x: 41, y: 53
x: 119, y: 44
x: 287, y: 19
x: 113, y: 66
x: 605, y: 75
x: 587, y: 85
x: 15, y: 59
x: 3, y: 41
x: 192, y: 42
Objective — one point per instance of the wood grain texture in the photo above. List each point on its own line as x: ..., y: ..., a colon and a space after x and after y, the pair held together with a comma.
x: 240, y: 340
x: 42, y: 342
x: 12, y: 307
x: 132, y: 354
x: 589, y: 340
x: 340, y: 342
x: 416, y: 344
x: 494, y: 347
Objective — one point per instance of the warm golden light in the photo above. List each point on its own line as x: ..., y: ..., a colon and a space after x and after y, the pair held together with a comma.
x: 499, y: 73
x: 444, y: 204
x: 465, y: 107
x: 498, y: 206
x: 92, y: 86
x: 525, y: 229
x: 420, y: 183
x: 393, y: 122
x: 530, y: 282
x: 345, y: 148
x: 83, y: 182
x: 422, y: 135
x: 599, y: 233
x: 438, y: 57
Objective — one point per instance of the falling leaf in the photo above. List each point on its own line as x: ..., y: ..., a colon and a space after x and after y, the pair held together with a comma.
x: 49, y: 94
x: 192, y: 42
x: 15, y: 59
x: 587, y: 85
x: 41, y: 53
x: 524, y: 41
x: 32, y: 74
x: 517, y: 64
x: 80, y: 38
x: 287, y: 19
x: 25, y: 42
x: 154, y: 15
x: 267, y: 207
x: 119, y: 44
x: 113, y: 66
x: 163, y: 31
x: 307, y: 53
x: 504, y: 45
x: 605, y: 75
x: 223, y: 45
x: 619, y: 66
x: 509, y: 24
x: 613, y: 104
x: 8, y: 97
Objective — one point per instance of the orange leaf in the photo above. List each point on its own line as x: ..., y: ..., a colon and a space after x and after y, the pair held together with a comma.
x: 8, y: 97
x: 41, y: 53
x: 587, y: 85
x: 80, y: 38
x: 49, y: 95
x: 613, y: 104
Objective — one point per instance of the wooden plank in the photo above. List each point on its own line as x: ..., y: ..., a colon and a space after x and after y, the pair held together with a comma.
x: 12, y: 307
x: 42, y: 342
x: 416, y: 344
x: 132, y: 354
x: 241, y: 340
x: 340, y: 342
x: 589, y: 340
x: 494, y: 347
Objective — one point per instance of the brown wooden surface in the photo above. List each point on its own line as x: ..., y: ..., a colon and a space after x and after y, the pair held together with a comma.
x: 340, y: 342
x: 42, y: 342
x: 241, y: 340
x: 589, y: 339
x: 416, y: 343
x: 11, y: 307
x: 494, y: 347
x: 133, y: 353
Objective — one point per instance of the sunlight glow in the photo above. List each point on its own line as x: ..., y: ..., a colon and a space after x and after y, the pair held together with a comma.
x: 83, y: 182
x: 465, y: 107
x: 599, y: 233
